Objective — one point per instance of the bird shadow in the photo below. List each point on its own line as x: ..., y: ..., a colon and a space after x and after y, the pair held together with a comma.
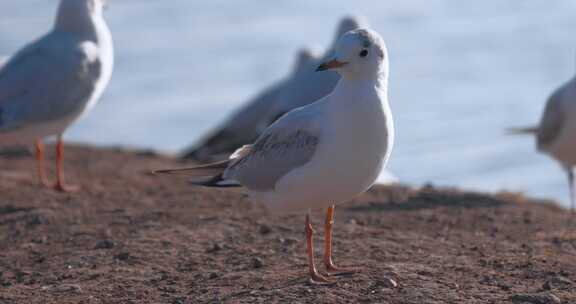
x: 11, y: 209
x: 15, y: 153
x: 398, y: 198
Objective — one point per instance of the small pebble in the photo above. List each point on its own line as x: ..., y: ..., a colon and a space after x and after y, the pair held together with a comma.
x: 386, y: 283
x: 124, y: 256
x: 257, y: 263
x: 63, y: 288
x: 265, y: 229
x: 105, y: 244
x: 213, y: 275
x: 538, y: 298
x: 558, y: 282
x: 389, y: 283
x: 214, y: 248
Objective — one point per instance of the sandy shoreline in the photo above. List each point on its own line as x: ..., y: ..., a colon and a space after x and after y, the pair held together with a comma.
x: 131, y: 237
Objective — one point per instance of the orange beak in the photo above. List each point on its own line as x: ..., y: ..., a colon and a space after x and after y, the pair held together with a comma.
x: 332, y: 64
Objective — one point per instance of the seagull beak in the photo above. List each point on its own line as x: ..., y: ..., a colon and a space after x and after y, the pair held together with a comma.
x: 332, y: 64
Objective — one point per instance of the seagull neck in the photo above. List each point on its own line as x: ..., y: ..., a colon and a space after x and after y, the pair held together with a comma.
x: 379, y: 84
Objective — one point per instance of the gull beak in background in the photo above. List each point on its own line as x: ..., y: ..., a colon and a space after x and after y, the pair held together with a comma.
x: 332, y: 64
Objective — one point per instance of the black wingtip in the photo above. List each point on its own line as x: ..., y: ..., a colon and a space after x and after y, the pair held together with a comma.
x: 217, y: 181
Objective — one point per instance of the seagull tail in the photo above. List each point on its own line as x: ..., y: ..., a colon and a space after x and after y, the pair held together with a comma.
x: 198, y: 171
x: 522, y: 131
x: 210, y: 175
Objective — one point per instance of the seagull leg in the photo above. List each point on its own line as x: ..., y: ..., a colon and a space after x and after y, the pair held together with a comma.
x: 328, y: 263
x: 60, y: 184
x: 315, y: 277
x: 39, y: 152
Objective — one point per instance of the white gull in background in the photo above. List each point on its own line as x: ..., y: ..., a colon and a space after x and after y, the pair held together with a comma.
x: 51, y: 82
x: 324, y: 153
x: 556, y: 133
x: 247, y: 123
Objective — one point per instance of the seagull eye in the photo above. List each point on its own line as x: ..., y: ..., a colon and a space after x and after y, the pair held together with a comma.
x: 364, y: 53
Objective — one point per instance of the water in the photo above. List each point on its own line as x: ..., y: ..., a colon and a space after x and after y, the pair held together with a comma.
x: 461, y: 72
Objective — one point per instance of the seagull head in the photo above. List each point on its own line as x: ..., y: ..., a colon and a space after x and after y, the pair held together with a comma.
x: 358, y: 54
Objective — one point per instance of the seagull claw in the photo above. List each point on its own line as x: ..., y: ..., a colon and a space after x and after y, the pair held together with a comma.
x: 340, y: 271
x: 318, y: 279
x: 66, y: 188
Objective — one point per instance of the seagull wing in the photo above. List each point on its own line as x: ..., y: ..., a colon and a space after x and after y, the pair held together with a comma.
x: 286, y: 145
x: 47, y: 80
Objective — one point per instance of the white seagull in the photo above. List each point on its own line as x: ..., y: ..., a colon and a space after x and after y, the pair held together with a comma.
x: 321, y: 154
x: 50, y: 83
x: 247, y: 123
x: 556, y: 133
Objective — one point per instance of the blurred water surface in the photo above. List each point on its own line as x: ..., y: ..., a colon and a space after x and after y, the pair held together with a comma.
x: 461, y: 72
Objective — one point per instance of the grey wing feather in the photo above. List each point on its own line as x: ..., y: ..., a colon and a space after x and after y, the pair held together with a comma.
x: 552, y: 121
x: 47, y: 80
x: 288, y: 144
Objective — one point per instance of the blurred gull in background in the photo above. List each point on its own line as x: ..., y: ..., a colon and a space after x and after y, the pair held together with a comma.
x: 244, y: 126
x: 300, y: 88
x: 51, y: 82
x: 307, y: 85
x: 556, y: 133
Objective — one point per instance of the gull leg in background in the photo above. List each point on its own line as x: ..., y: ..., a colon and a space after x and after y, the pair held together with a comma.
x: 570, y: 171
x: 328, y: 263
x: 60, y: 184
x: 39, y: 153
x: 315, y: 277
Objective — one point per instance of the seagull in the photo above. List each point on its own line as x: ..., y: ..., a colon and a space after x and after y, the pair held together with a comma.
x: 556, y: 133
x: 322, y: 154
x: 245, y: 125
x: 53, y: 81
x: 302, y: 87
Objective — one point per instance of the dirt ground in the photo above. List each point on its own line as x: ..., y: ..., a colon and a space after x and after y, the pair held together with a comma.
x: 132, y: 237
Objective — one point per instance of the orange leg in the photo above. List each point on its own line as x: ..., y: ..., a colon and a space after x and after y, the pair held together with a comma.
x: 39, y: 147
x: 328, y: 263
x: 60, y: 184
x: 315, y: 277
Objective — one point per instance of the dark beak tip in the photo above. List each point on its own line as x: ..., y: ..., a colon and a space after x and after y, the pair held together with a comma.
x: 323, y: 67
